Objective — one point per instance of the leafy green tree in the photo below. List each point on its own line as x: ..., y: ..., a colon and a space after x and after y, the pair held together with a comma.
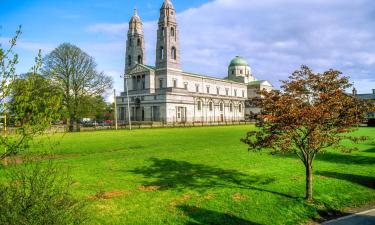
x: 33, y: 193
x: 311, y: 114
x: 33, y: 113
x: 75, y: 72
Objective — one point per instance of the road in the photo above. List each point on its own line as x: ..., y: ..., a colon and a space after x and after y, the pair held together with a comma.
x: 361, y: 218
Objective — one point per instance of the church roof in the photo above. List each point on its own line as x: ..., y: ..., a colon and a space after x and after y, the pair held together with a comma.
x: 366, y: 96
x: 238, y: 61
x: 259, y: 82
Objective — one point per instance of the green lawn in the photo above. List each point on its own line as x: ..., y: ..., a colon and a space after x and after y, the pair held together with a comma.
x: 207, y: 176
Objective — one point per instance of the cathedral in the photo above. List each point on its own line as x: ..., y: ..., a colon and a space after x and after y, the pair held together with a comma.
x: 165, y: 93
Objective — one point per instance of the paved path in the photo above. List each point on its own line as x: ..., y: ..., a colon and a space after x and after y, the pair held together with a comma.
x: 362, y: 218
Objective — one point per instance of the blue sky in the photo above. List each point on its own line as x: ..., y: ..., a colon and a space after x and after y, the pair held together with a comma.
x: 275, y: 36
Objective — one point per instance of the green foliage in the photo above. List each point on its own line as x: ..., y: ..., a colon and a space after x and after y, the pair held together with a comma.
x: 34, y: 105
x: 39, y: 193
x: 75, y: 73
x: 95, y: 107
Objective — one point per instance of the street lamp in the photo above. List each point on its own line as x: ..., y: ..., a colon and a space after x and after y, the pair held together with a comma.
x: 128, y: 100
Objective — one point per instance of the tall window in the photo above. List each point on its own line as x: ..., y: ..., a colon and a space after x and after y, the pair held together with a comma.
x: 185, y: 86
x: 208, y: 89
x: 161, y: 52
x: 129, y: 60
x: 143, y: 82
x: 139, y: 42
x: 227, y: 91
x: 210, y: 106
x: 174, y: 83
x: 174, y: 53
x: 221, y: 106
x: 235, y: 92
x: 240, y: 71
x: 243, y: 94
x: 240, y: 108
x: 172, y: 32
x: 163, y: 31
x: 130, y: 42
x: 199, y: 105
x: 160, y: 83
x: 197, y: 88
x: 217, y: 91
x: 231, y: 107
x: 140, y: 59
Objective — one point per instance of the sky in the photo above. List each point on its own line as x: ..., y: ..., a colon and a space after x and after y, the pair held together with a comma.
x: 275, y: 36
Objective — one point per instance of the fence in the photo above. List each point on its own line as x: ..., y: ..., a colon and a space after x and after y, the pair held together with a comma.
x: 150, y: 125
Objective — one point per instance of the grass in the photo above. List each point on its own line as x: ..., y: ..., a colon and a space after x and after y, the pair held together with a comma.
x: 207, y: 176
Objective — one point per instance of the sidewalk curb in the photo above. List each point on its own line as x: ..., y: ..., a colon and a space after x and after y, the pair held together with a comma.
x: 347, y: 217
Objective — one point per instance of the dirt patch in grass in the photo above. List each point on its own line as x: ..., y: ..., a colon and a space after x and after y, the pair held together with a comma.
x: 148, y: 188
x: 173, y: 204
x: 238, y: 197
x: 7, y: 161
x: 209, y: 196
x: 108, y: 195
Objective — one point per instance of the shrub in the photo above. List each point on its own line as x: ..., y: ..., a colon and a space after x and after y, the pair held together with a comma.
x: 39, y: 193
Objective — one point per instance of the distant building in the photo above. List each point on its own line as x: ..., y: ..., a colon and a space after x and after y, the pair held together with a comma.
x: 369, y: 96
x: 166, y: 93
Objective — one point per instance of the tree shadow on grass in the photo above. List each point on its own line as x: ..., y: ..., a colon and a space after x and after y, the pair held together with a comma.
x: 372, y: 150
x: 366, y: 181
x: 180, y: 175
x: 209, y: 217
x: 343, y: 158
x: 346, y: 158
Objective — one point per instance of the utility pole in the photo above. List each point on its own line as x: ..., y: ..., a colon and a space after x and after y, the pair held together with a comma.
x: 127, y: 97
x: 114, y: 97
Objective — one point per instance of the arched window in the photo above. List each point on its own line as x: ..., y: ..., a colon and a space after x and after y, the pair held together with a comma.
x: 231, y: 107
x: 240, y: 108
x: 210, y: 106
x: 140, y: 59
x: 174, y: 53
x: 161, y: 52
x: 172, y: 32
x: 130, y: 42
x: 199, y: 105
x: 129, y: 60
x: 139, y: 42
x: 163, y: 31
x: 221, y: 106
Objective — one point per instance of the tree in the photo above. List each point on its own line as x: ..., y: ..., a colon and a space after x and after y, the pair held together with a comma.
x: 76, y: 74
x: 33, y: 114
x: 93, y: 107
x: 309, y: 115
x: 31, y: 94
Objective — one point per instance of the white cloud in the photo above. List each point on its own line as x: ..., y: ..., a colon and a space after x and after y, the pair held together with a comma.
x: 28, y: 45
x: 276, y: 36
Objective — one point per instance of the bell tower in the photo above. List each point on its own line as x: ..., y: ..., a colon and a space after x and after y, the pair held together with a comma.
x: 168, y: 43
x: 135, y: 44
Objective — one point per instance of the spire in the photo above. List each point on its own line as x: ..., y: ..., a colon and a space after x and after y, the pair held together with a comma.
x: 135, y: 11
x: 167, y: 4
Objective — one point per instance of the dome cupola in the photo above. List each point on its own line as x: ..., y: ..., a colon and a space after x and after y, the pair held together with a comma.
x: 239, y: 70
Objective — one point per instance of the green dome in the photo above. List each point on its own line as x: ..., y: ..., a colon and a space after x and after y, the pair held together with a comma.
x: 238, y: 61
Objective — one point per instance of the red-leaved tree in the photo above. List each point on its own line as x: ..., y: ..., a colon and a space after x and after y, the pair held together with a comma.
x: 311, y: 113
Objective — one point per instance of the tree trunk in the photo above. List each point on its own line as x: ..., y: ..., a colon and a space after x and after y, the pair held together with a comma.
x: 309, y: 183
x: 71, y: 125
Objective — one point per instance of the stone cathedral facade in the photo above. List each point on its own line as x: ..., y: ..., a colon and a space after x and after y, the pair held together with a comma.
x: 165, y: 93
